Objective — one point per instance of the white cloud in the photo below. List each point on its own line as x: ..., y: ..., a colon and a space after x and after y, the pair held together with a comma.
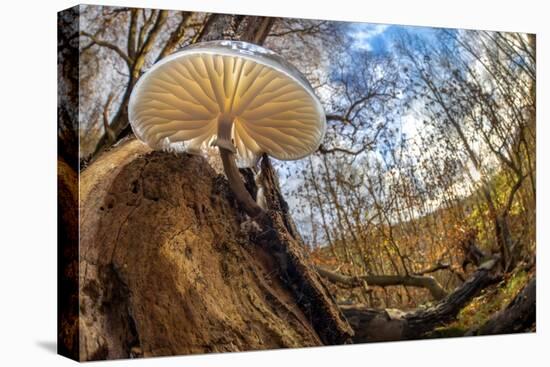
x: 363, y: 33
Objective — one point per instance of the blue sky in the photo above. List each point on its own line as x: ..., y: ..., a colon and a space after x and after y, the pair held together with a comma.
x: 378, y: 38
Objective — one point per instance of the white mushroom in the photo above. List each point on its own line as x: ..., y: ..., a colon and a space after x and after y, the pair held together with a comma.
x: 240, y: 97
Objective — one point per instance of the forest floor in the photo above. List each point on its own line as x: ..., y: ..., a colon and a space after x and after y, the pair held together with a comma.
x: 491, y: 300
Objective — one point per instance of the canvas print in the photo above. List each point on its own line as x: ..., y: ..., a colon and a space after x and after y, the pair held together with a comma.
x: 234, y: 183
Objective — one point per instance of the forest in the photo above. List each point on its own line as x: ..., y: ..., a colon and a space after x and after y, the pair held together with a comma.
x: 414, y: 218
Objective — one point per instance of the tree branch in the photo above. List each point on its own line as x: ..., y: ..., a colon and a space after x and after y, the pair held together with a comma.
x: 147, y: 23
x: 132, y: 34
x: 176, y: 36
x: 340, y: 118
x: 148, y: 44
x: 311, y: 29
x: 108, y: 45
x: 434, y: 268
x: 324, y: 150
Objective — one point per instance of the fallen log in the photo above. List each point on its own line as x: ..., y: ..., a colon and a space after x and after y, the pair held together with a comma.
x: 519, y: 316
x: 373, y: 325
x: 421, y: 281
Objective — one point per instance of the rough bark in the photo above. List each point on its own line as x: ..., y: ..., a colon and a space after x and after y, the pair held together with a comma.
x: 170, y: 265
x: 67, y: 260
x: 283, y: 241
x: 421, y: 281
x: 67, y: 91
x: 218, y: 26
x: 519, y: 316
x: 388, y: 325
x: 255, y: 29
x: 67, y: 182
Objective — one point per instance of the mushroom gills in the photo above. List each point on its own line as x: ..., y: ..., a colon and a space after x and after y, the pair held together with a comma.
x: 229, y: 101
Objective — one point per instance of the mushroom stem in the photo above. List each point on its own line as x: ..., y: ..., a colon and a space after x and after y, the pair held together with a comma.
x: 235, y: 182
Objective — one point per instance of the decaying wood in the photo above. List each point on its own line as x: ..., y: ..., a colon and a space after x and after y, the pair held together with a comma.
x: 386, y: 325
x: 169, y: 267
x: 421, y: 281
x: 282, y: 240
x: 519, y: 316
x: 67, y: 259
x: 67, y: 182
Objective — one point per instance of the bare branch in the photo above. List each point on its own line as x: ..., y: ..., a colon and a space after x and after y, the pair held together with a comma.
x: 147, y: 23
x: 149, y: 42
x: 176, y: 36
x: 132, y: 34
x: 102, y: 43
x: 340, y: 118
x: 324, y: 150
x: 434, y: 268
x: 314, y: 28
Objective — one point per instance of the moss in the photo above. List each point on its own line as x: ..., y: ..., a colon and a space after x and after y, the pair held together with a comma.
x: 491, y: 300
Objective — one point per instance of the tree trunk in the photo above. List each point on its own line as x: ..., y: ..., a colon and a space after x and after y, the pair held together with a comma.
x: 169, y: 265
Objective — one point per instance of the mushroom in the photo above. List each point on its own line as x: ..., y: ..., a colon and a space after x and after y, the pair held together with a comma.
x: 240, y: 97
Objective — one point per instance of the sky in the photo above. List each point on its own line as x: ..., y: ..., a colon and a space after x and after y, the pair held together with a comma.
x: 377, y: 38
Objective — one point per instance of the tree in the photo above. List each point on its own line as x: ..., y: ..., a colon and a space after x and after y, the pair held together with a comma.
x: 488, y: 110
x: 150, y: 35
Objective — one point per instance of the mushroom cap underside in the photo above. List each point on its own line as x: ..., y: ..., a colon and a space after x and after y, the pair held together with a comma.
x: 178, y: 103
